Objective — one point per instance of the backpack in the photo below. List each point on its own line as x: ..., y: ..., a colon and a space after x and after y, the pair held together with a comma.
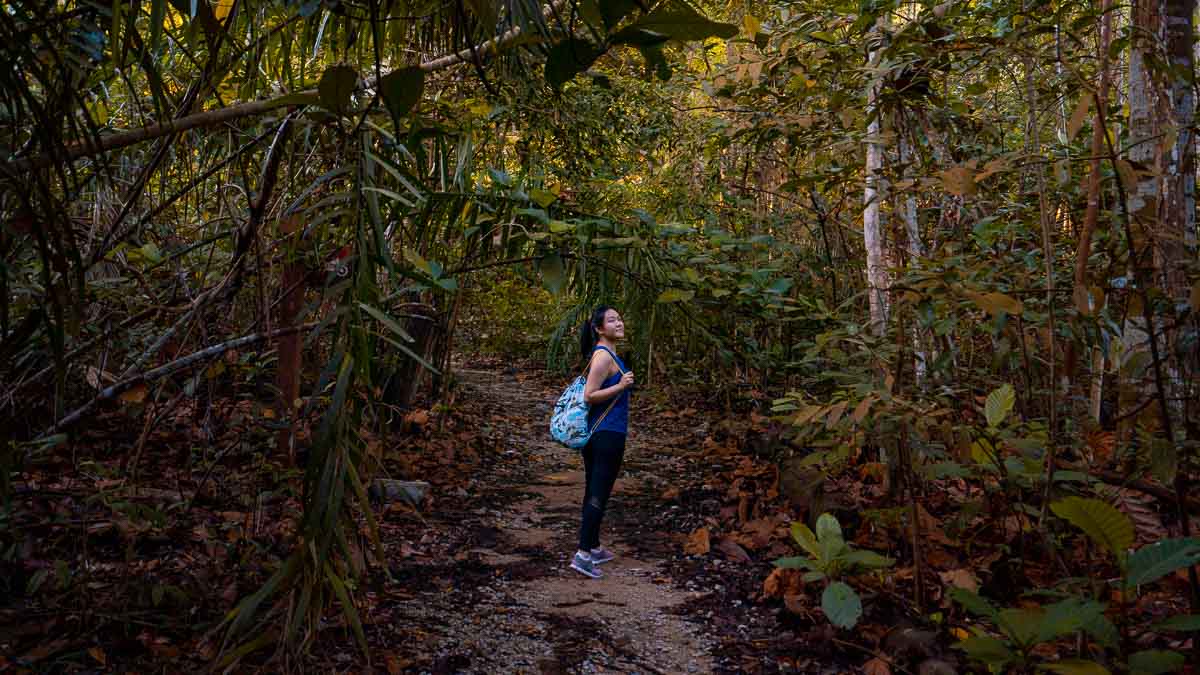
x: 568, y: 423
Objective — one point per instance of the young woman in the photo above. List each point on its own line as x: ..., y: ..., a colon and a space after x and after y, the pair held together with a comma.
x: 607, y: 395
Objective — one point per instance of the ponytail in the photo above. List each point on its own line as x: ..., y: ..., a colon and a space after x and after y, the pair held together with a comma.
x: 587, y: 332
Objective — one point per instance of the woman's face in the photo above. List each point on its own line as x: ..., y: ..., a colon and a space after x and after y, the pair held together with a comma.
x: 613, y: 327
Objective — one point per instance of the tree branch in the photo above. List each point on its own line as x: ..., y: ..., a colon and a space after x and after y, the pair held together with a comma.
x: 168, y: 369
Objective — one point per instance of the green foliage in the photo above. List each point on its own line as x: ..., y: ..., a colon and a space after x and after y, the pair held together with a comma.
x: 1025, y: 628
x: 999, y: 403
x: 336, y: 87
x: 1107, y: 526
x: 1155, y: 662
x: 401, y: 90
x: 1154, y: 561
x: 830, y: 558
x: 569, y: 58
x: 841, y: 604
x: 507, y: 317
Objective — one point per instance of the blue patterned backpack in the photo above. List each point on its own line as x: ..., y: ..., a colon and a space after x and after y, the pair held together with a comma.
x: 568, y: 424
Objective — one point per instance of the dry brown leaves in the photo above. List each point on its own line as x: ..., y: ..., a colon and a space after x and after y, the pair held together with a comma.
x: 698, y: 542
x: 783, y: 582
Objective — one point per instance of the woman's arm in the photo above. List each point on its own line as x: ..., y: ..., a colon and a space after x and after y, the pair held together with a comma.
x: 599, y: 370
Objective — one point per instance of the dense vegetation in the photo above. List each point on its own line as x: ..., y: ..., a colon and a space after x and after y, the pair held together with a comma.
x: 950, y: 247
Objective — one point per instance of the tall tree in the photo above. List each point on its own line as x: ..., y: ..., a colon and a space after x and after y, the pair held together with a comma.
x: 872, y: 192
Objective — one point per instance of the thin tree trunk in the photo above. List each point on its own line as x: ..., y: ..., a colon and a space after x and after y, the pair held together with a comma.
x: 290, y: 355
x: 1083, y: 299
x: 872, y: 198
x: 913, y: 244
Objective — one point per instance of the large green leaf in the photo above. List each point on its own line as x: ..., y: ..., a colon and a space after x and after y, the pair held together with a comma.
x: 676, y: 295
x: 988, y: 650
x: 1155, y: 662
x: 1153, y: 562
x: 998, y: 404
x: 829, y: 535
x: 828, y: 528
x: 841, y: 604
x: 336, y: 85
x: 1103, y: 630
x: 795, y: 563
x: 806, y: 539
x: 1066, y: 617
x: 867, y: 559
x: 1021, y: 624
x: 1107, y: 526
x: 615, y: 10
x: 973, y: 602
x: 401, y: 90
x: 1075, y: 667
x: 553, y: 272
x: 1182, y: 623
x: 568, y: 58
x: 678, y: 21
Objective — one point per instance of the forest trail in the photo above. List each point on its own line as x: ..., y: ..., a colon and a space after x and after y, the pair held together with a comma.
x: 502, y: 598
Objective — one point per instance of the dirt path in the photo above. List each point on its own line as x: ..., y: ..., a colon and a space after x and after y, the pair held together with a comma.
x: 487, y: 587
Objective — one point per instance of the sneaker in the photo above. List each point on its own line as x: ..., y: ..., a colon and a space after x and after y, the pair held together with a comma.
x: 584, y: 565
x: 601, y: 555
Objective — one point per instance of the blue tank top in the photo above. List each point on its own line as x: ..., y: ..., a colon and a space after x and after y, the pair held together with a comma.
x: 618, y: 418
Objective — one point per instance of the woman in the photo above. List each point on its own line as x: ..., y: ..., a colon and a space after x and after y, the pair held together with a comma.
x: 607, y: 395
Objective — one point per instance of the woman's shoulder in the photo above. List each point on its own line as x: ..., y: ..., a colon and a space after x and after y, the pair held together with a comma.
x: 602, y: 357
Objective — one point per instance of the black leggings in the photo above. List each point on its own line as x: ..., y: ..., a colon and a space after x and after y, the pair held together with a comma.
x: 601, y: 464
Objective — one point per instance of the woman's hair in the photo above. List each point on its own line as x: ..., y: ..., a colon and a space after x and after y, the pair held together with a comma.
x: 587, y: 332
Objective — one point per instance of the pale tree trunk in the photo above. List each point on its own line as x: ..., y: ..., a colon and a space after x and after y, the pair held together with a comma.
x: 913, y: 245
x: 1175, y: 240
x: 1143, y: 198
x: 872, y: 196
x: 1161, y: 110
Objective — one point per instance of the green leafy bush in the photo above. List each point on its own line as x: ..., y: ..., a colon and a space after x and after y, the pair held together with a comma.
x: 830, y: 558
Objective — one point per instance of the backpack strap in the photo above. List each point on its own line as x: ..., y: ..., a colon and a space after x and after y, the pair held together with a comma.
x: 613, y: 402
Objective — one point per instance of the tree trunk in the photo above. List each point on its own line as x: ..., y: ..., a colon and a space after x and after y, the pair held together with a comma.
x: 1161, y: 109
x: 1084, y: 301
x: 913, y: 245
x: 1143, y: 198
x: 872, y: 197
x: 290, y: 355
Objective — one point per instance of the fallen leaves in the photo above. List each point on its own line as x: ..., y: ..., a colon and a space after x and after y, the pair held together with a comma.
x: 698, y: 542
x: 877, y: 666
x: 960, y: 578
x: 135, y: 394
x: 782, y: 582
x: 733, y: 550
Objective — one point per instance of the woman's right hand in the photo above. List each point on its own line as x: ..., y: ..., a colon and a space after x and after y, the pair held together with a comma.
x: 627, y: 380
